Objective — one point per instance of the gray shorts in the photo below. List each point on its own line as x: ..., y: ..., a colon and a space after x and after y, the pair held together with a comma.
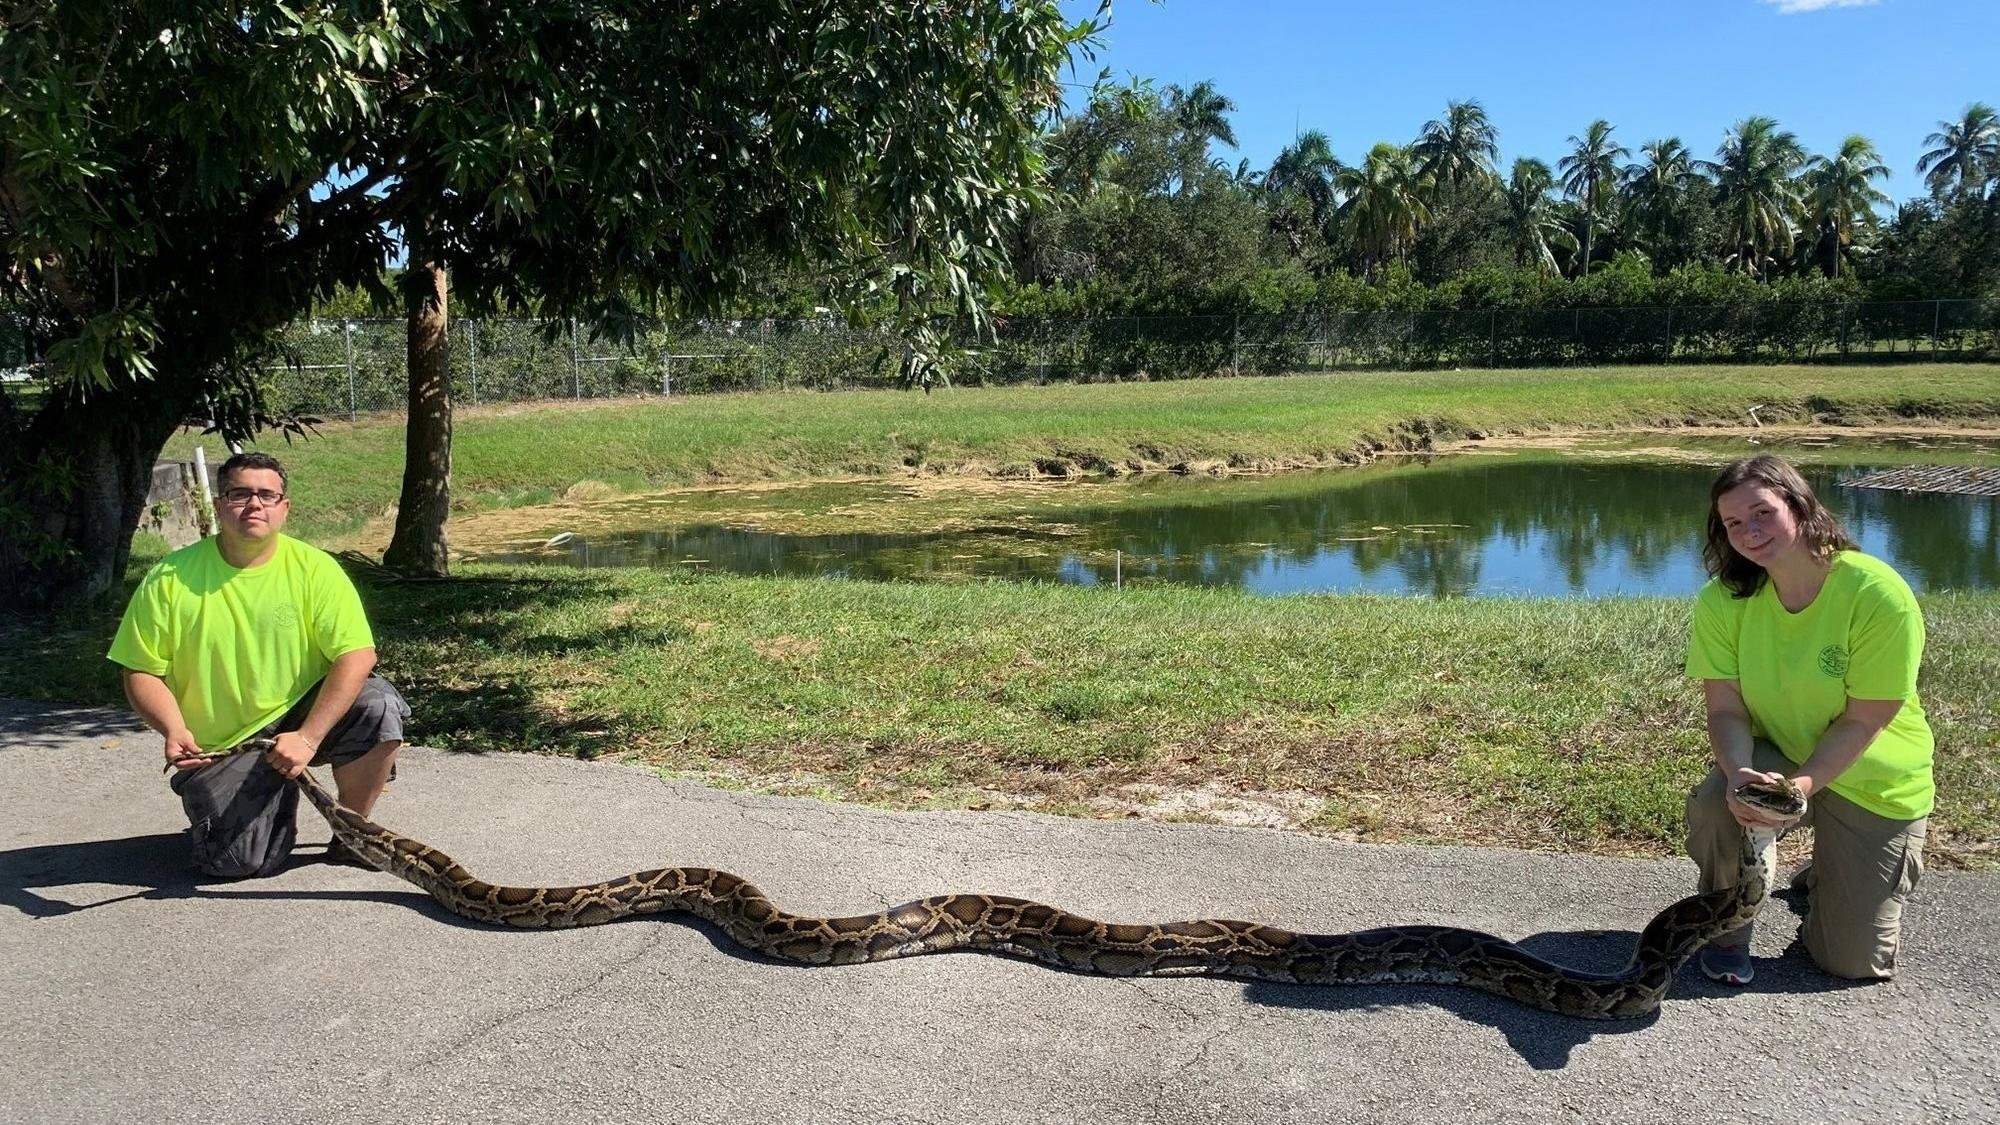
x: 243, y: 816
x: 377, y: 716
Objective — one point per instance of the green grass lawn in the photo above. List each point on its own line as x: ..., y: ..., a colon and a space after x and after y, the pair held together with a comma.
x: 1552, y: 723
x: 1543, y: 723
x: 516, y: 455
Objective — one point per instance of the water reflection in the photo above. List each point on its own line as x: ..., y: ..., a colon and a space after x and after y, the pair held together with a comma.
x: 1463, y: 525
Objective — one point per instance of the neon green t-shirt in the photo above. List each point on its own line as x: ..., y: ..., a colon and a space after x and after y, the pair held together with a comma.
x: 239, y: 647
x: 1862, y: 637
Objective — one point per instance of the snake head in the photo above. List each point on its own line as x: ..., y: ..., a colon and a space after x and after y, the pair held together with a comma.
x: 1779, y: 799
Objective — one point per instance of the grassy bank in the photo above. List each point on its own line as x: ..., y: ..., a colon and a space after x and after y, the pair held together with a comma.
x: 511, y: 456
x: 1541, y: 723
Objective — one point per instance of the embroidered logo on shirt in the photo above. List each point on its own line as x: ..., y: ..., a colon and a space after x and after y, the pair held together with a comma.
x: 1833, y: 660
x: 284, y: 618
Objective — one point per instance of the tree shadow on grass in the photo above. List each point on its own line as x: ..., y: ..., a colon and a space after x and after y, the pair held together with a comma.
x: 62, y: 659
x: 1545, y: 1040
x: 453, y: 706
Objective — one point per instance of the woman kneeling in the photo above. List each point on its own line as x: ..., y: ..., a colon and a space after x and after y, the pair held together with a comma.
x: 1808, y: 650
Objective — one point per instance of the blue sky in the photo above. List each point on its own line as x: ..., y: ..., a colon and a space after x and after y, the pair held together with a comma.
x: 1889, y: 70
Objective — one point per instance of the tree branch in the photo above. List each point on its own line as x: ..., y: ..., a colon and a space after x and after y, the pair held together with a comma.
x: 270, y: 206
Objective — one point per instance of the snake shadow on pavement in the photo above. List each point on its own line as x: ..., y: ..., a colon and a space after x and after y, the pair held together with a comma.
x: 1544, y: 1040
x: 157, y: 865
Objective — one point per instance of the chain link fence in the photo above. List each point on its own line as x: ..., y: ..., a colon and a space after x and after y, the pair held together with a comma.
x: 354, y: 367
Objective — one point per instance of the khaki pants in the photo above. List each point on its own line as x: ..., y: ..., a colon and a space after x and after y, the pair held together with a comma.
x: 1863, y: 866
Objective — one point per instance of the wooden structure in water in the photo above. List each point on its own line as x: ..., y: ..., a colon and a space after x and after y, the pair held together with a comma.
x: 1965, y: 480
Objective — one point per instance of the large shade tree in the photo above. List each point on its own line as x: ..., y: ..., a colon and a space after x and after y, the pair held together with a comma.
x: 181, y: 178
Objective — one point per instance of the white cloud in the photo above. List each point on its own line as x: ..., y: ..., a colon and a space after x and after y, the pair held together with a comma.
x: 1789, y: 7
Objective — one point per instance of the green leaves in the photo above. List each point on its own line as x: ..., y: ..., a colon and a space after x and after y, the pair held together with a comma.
x: 115, y: 342
x: 207, y: 168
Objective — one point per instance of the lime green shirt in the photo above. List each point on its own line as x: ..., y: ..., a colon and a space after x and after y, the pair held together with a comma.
x: 239, y: 647
x: 1862, y: 637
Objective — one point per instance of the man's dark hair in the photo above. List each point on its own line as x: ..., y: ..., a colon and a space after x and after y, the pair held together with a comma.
x: 253, y: 460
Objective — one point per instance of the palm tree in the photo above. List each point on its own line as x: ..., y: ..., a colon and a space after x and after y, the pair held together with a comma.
x: 1754, y: 188
x: 1588, y: 174
x: 1302, y: 173
x: 1385, y: 204
x: 1967, y: 153
x: 1459, y: 148
x: 1655, y: 190
x: 1242, y: 177
x: 1532, y: 221
x: 1202, y: 116
x: 1840, y: 195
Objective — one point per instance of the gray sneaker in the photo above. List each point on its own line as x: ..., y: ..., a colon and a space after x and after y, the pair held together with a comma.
x: 340, y: 855
x: 1728, y: 964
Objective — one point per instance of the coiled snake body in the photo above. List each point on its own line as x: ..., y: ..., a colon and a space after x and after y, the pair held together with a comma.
x: 1208, y: 946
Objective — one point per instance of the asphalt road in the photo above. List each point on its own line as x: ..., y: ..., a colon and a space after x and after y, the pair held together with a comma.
x: 134, y: 992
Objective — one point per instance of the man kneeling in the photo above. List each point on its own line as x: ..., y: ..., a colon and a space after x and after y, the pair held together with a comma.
x: 255, y: 635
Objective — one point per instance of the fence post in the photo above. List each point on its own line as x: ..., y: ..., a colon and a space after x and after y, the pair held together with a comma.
x: 472, y: 342
x: 1937, y: 311
x: 1236, y: 343
x: 666, y: 374
x: 1667, y: 351
x: 347, y: 333
x: 575, y: 362
x: 1493, y: 337
x: 1576, y: 326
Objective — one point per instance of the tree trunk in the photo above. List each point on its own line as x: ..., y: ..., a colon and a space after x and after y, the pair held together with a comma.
x: 1589, y: 228
x: 419, y: 544
x: 72, y: 489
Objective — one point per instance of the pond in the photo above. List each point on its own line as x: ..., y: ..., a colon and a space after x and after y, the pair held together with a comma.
x: 1618, y: 516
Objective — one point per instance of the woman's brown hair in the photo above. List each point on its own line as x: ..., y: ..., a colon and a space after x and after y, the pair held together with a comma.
x: 1817, y: 526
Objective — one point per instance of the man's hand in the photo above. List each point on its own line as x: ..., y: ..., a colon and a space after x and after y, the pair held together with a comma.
x: 290, y: 752
x: 182, y: 751
x: 1750, y: 816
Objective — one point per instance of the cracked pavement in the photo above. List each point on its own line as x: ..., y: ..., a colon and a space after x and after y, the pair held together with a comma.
x: 332, y: 993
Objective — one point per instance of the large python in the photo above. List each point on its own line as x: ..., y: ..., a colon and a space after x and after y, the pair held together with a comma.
x: 1022, y: 928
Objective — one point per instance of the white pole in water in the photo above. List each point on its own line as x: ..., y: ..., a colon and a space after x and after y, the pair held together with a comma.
x: 204, y: 519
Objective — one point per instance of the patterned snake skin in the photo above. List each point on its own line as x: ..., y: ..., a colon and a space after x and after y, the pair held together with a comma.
x: 1019, y: 927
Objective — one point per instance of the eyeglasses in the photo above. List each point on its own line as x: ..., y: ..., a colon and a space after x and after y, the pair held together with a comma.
x: 242, y: 496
